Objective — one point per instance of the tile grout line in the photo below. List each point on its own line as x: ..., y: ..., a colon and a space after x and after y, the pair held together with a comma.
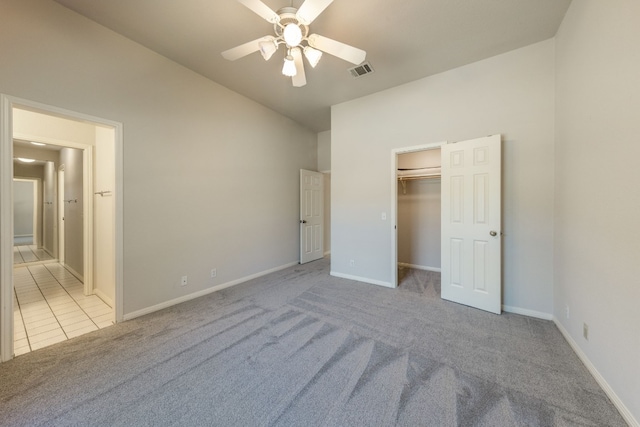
x: 24, y: 326
x: 46, y: 301
x: 74, y: 300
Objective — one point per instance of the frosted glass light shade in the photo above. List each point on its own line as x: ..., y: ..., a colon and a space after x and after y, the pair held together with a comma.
x: 268, y: 48
x: 289, y: 67
x: 292, y: 35
x: 312, y: 55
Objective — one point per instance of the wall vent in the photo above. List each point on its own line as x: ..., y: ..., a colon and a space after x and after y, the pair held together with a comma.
x: 361, y: 70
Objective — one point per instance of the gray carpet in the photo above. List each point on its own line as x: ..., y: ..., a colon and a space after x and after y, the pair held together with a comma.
x: 301, y: 348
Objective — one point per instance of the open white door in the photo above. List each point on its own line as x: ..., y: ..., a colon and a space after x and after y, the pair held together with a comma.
x: 471, y: 236
x: 311, y: 216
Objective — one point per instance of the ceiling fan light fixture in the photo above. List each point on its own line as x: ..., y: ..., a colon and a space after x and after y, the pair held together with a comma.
x: 312, y: 55
x: 268, y: 48
x: 292, y: 35
x: 289, y: 67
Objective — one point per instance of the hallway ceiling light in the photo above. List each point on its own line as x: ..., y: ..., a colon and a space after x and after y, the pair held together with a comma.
x: 291, y: 27
x: 40, y: 144
x: 26, y: 160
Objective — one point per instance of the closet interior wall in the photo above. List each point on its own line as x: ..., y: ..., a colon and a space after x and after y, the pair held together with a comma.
x: 419, y: 213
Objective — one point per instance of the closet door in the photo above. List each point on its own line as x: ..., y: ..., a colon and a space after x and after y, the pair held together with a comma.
x: 471, y: 236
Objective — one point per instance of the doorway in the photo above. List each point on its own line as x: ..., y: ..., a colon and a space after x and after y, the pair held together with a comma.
x: 470, y: 221
x: 14, y: 113
x: 397, y: 184
x: 25, y: 211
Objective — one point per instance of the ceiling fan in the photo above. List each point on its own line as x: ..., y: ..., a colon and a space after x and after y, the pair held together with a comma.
x: 291, y: 28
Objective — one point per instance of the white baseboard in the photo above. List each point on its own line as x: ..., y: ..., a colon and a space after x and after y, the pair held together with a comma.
x: 327, y: 253
x: 527, y: 312
x: 104, y: 297
x: 621, y: 407
x: 419, y: 267
x: 48, y: 252
x: 75, y: 273
x: 362, y: 279
x: 184, y: 298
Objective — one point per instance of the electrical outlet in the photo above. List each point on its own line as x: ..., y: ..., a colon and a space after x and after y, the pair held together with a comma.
x: 567, y: 311
x: 214, y: 272
x: 352, y: 263
x: 183, y: 281
x: 585, y: 331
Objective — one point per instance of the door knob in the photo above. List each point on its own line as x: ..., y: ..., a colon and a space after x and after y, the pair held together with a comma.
x: 303, y: 221
x: 493, y: 233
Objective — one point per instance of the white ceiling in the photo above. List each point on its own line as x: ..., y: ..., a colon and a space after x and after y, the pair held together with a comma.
x: 404, y: 40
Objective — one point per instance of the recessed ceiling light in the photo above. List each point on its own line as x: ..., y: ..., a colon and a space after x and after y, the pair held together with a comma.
x: 25, y: 160
x: 38, y: 143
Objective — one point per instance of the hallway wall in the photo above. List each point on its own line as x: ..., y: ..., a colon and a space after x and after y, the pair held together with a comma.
x: 71, y: 158
x: 23, y: 209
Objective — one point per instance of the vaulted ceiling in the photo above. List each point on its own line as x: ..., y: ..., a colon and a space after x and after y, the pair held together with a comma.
x: 404, y: 40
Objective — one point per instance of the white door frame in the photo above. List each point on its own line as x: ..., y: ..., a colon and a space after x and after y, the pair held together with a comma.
x: 7, y: 103
x: 394, y: 201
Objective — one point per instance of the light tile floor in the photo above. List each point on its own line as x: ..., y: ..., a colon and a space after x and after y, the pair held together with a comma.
x: 29, y: 253
x: 50, y: 306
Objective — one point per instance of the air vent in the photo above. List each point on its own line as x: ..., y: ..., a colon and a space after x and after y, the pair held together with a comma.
x: 361, y: 70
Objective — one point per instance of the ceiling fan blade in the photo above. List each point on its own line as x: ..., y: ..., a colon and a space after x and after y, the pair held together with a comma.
x: 261, y: 9
x: 244, y: 49
x: 299, y: 79
x: 310, y: 10
x: 343, y: 51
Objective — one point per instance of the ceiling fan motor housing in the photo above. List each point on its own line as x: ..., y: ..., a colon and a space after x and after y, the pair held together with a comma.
x: 288, y: 16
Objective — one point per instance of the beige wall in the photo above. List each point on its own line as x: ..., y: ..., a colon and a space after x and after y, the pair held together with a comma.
x: 324, y: 151
x: 49, y: 213
x: 419, y: 224
x: 324, y: 165
x: 511, y: 94
x: 32, y: 126
x: 597, y: 198
x: 202, y: 189
x: 71, y: 159
x: 24, y: 208
x: 36, y: 172
x: 327, y: 213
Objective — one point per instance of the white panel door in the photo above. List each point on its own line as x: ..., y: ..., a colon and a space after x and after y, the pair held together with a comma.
x: 311, y: 215
x: 471, y: 235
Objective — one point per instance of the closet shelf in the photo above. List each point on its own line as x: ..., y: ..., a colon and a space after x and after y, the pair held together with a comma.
x: 405, y: 175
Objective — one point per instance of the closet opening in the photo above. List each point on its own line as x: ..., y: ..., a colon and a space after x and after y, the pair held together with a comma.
x: 416, y: 210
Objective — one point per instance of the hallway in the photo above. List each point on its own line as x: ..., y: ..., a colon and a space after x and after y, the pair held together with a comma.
x: 50, y: 306
x: 29, y: 253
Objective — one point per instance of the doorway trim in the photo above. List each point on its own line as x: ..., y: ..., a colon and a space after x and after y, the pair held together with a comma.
x: 7, y: 103
x: 394, y: 200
